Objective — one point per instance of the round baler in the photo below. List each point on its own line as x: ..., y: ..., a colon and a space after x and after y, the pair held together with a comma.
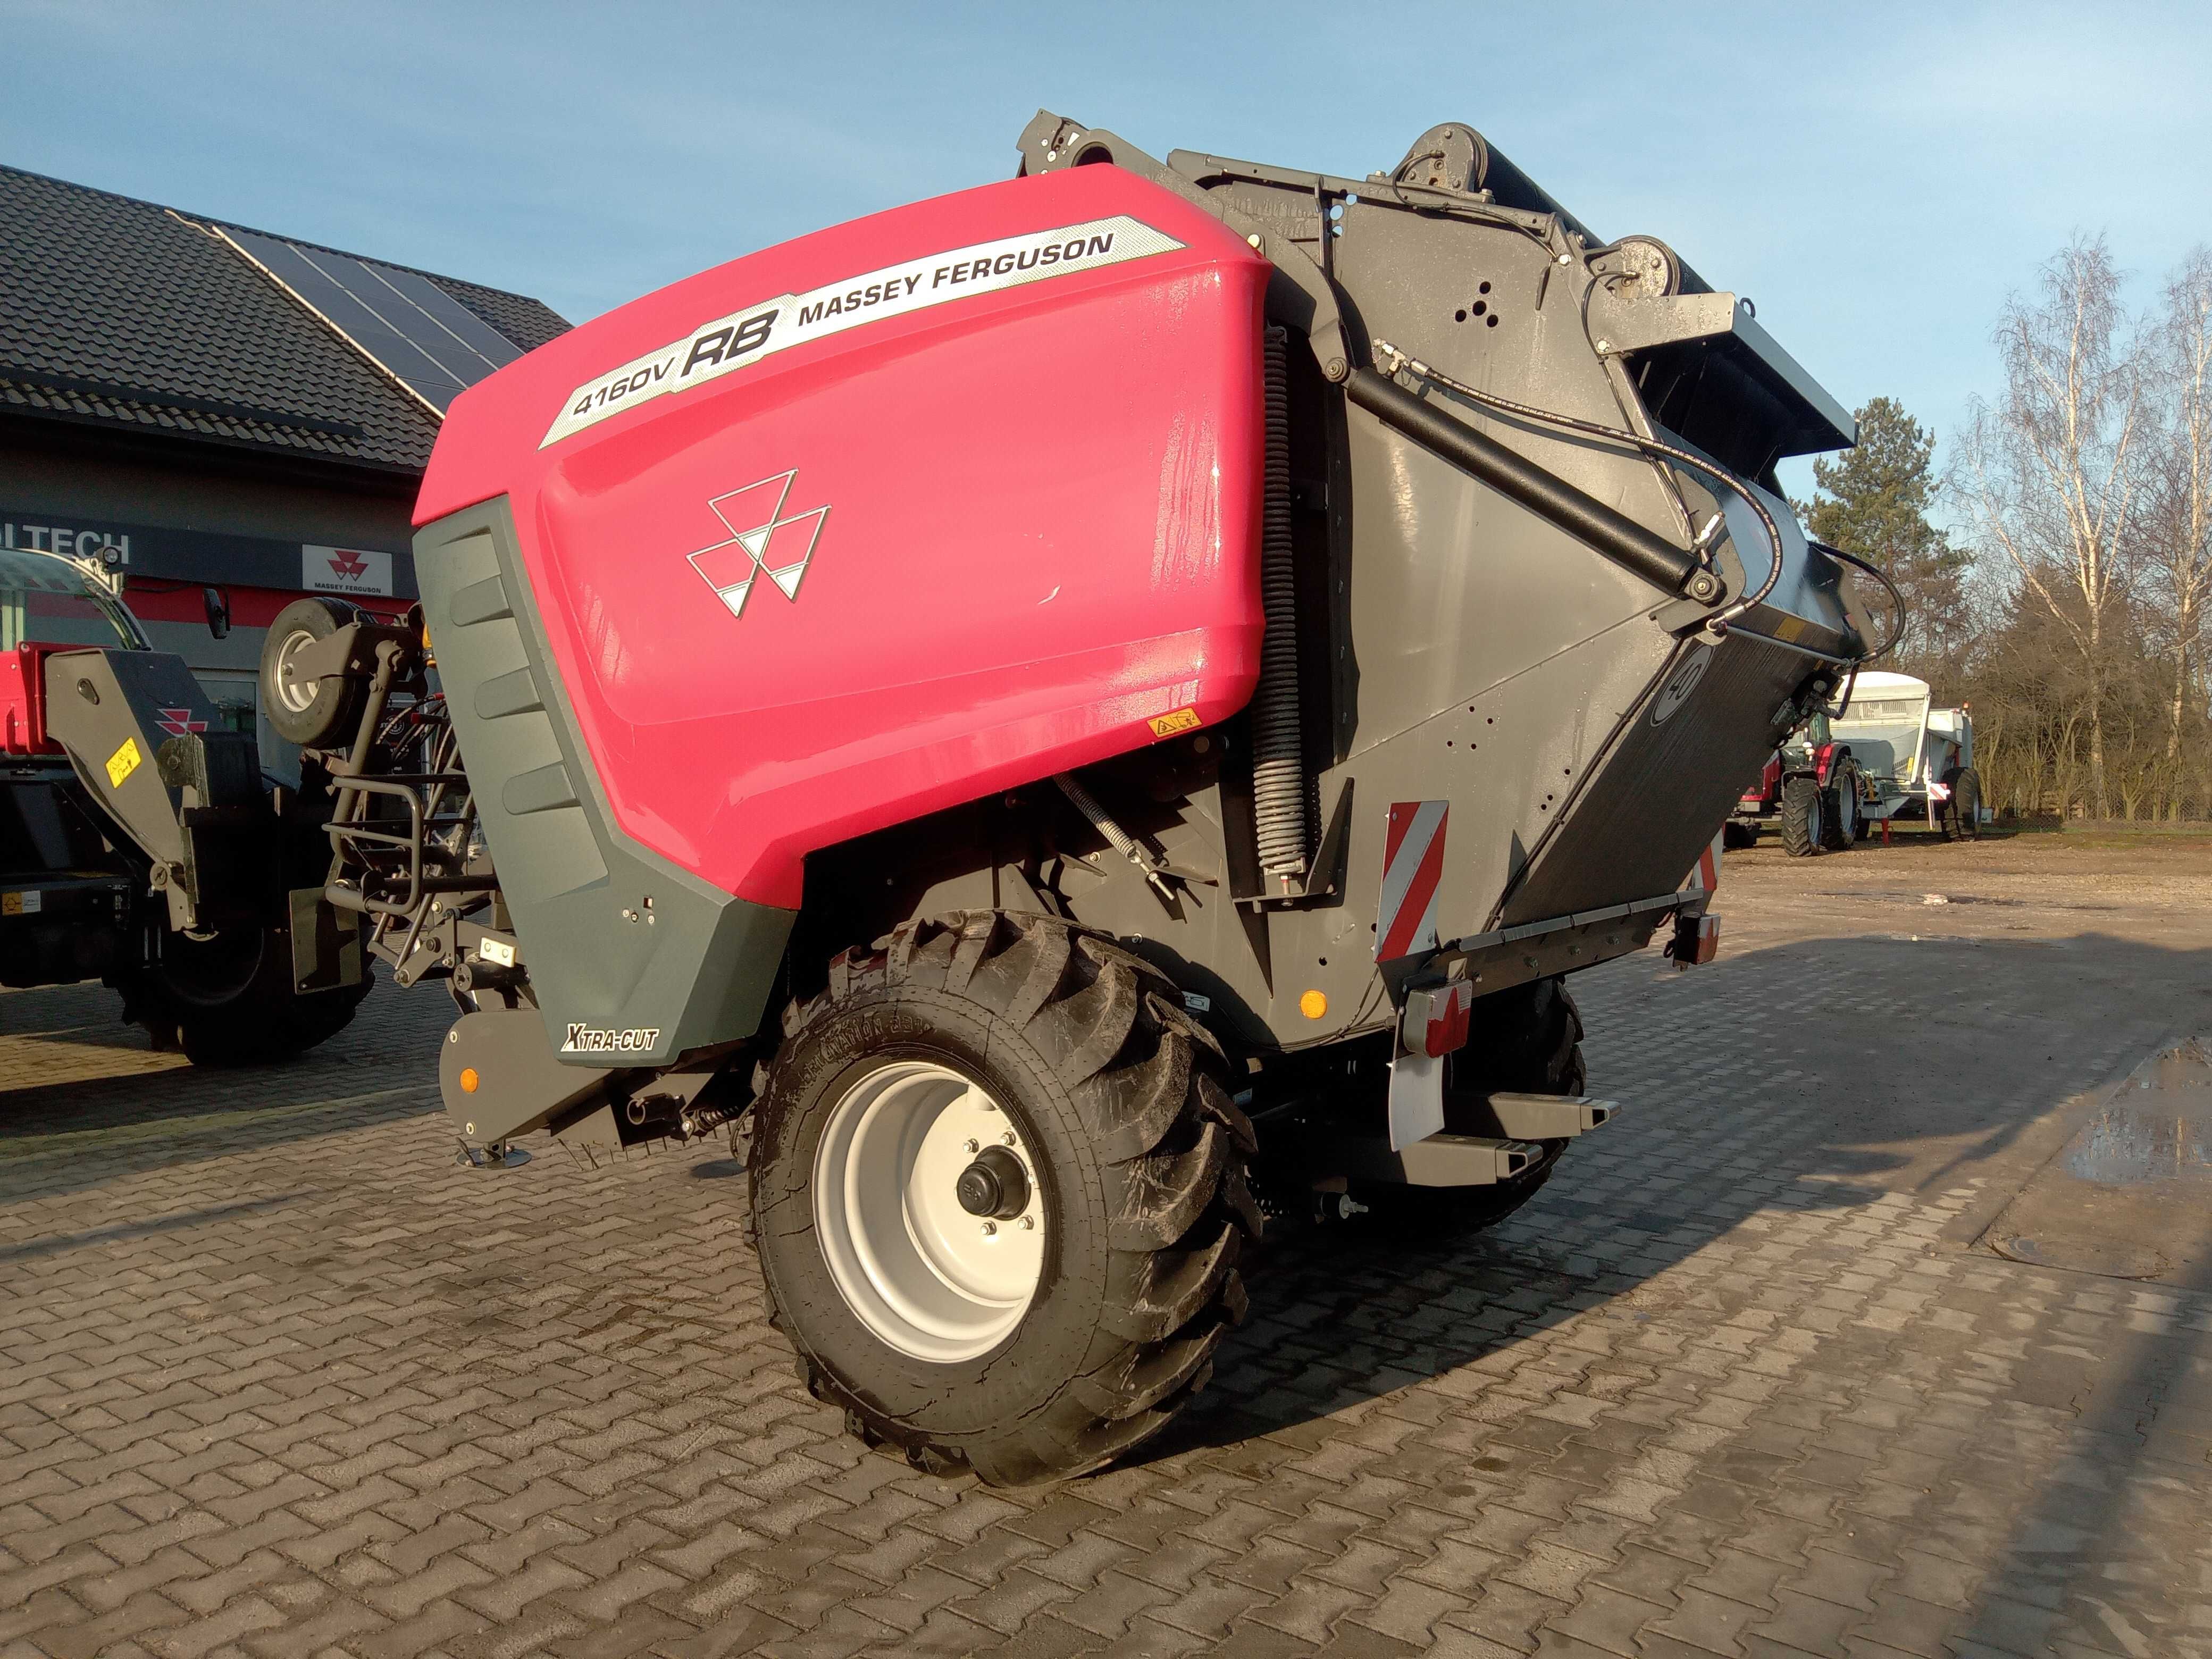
x: 1077, y: 720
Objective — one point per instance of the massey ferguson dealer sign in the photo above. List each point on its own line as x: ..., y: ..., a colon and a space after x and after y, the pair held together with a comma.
x: 351, y: 570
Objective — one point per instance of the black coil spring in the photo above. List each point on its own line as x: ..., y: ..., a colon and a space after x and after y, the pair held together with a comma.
x: 1279, y: 795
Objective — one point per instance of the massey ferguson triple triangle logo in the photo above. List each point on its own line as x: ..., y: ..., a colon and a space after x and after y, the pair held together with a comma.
x: 347, y: 563
x: 181, y: 722
x: 762, y: 541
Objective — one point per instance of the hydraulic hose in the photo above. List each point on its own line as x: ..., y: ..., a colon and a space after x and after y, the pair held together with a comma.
x: 1674, y: 452
x: 1619, y: 538
x: 1900, y: 611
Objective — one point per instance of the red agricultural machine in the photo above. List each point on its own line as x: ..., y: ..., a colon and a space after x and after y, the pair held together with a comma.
x: 140, y: 842
x: 1059, y: 709
x: 1809, y: 789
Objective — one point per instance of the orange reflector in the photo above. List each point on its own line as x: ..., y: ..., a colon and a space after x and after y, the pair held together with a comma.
x: 1313, y: 1004
x: 469, y: 1080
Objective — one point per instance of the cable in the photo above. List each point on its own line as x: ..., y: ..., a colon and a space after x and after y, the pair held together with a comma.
x: 1616, y: 434
x: 1897, y: 603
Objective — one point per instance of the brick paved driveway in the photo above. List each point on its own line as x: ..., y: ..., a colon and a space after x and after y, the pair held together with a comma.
x: 276, y: 1378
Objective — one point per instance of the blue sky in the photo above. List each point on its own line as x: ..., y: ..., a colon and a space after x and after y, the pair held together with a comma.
x: 1876, y: 177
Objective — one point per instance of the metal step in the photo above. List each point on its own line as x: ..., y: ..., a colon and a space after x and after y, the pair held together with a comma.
x: 1546, y: 1117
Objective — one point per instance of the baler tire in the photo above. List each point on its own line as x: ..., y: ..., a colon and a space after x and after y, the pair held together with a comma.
x: 329, y: 710
x: 254, y: 1019
x: 1800, y: 817
x: 1527, y: 1040
x: 1138, y: 1154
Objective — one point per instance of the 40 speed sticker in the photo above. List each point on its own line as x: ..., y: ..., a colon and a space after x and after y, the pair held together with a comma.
x: 599, y: 1040
x: 715, y: 348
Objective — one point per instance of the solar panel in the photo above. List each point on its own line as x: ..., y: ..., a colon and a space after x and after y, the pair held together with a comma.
x: 431, y: 341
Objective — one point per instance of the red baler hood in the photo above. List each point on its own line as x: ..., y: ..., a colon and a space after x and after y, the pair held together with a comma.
x: 980, y: 503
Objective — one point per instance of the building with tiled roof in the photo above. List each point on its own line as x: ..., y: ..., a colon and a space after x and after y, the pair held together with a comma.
x: 202, y: 404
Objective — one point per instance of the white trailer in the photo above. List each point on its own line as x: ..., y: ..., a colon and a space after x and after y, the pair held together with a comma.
x: 1909, y: 758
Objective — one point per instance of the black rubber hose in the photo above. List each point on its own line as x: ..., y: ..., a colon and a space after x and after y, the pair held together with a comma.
x: 1278, y: 779
x: 1900, y: 613
x: 1680, y: 456
x: 1619, y: 538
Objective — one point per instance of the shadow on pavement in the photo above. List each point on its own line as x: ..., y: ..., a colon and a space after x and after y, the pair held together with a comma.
x: 1863, y: 1066
x: 62, y: 1131
x: 166, y: 1224
x: 1348, y: 1314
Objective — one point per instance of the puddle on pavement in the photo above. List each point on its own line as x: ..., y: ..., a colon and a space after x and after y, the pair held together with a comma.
x: 2130, y: 1195
x: 2158, y: 1128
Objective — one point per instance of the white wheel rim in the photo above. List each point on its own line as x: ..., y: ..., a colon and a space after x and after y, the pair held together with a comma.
x: 924, y: 1276
x: 296, y: 693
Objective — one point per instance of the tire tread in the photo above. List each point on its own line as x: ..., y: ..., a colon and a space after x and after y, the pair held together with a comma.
x: 1171, y: 1147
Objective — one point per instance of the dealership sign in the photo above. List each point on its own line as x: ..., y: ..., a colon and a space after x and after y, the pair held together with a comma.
x: 200, y: 555
x: 345, y: 570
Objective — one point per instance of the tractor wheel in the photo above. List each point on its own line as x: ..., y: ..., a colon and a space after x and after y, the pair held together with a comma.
x: 313, y: 713
x: 228, y: 1000
x: 1800, y: 817
x: 1961, y: 818
x: 1840, y: 823
x: 1523, y: 1041
x: 998, y: 1195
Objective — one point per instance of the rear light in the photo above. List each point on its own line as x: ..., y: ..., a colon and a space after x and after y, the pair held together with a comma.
x: 1696, y: 940
x: 1436, y: 1022
x: 1821, y: 757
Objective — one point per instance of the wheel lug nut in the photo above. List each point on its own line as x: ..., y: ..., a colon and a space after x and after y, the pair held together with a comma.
x: 1028, y: 1222
x: 1008, y: 1138
x: 974, y: 1145
x: 990, y: 1229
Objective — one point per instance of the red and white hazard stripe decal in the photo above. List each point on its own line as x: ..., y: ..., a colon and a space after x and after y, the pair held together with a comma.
x: 1705, y: 876
x: 1412, y: 869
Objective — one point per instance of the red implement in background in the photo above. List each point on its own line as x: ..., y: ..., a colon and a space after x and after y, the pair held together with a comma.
x: 23, y: 699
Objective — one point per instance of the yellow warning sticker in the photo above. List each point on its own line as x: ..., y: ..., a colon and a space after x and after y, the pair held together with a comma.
x: 11, y: 904
x: 1183, y: 719
x: 123, y: 763
x: 1790, y: 629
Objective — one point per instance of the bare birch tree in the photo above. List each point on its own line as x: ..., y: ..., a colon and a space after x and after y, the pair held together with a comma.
x: 2049, y: 473
x: 2179, y: 526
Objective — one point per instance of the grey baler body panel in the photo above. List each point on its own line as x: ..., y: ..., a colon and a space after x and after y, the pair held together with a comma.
x: 615, y: 937
x: 1491, y: 660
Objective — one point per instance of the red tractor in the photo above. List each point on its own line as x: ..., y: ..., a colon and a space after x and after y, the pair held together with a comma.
x: 1811, y: 788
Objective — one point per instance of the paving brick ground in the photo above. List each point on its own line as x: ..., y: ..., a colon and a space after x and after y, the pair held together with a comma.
x: 276, y: 1378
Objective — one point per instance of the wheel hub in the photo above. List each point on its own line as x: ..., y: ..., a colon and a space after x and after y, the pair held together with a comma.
x: 994, y: 1185
x: 928, y: 1209
x: 297, y: 693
